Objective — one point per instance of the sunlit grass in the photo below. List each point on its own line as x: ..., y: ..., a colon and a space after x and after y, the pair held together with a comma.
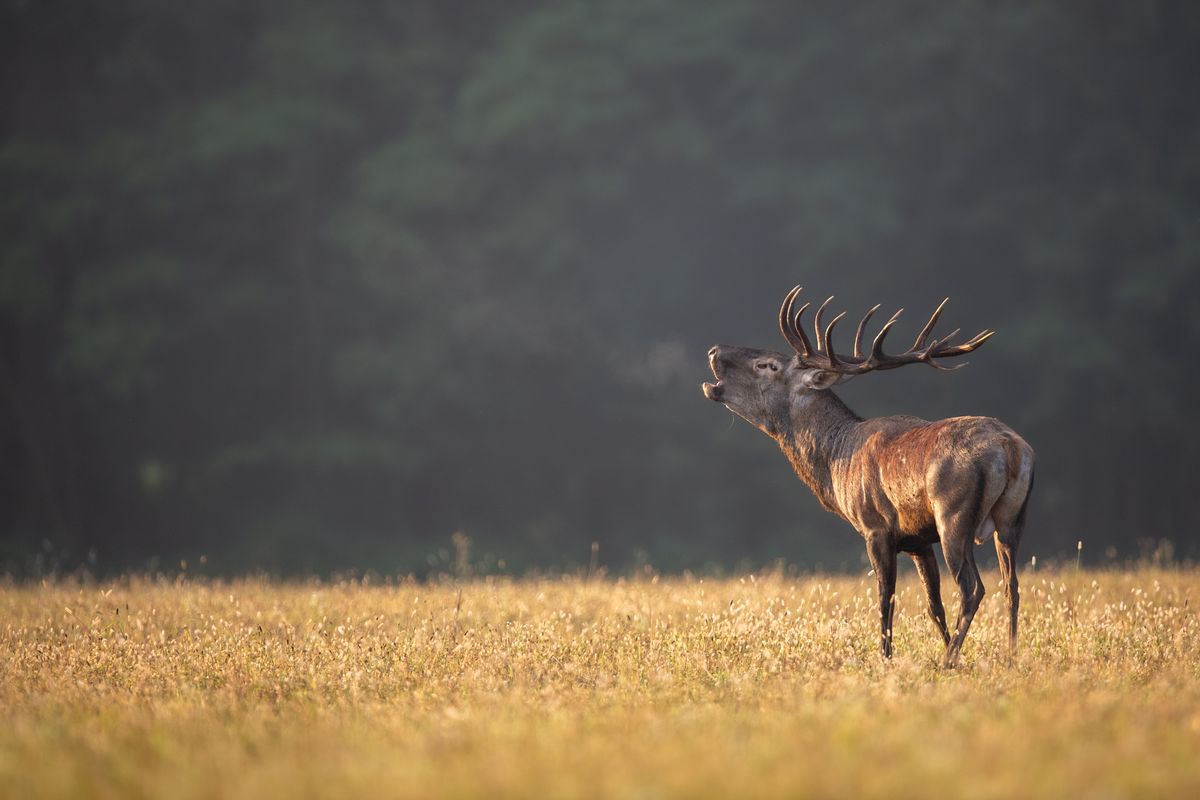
x: 765, y: 686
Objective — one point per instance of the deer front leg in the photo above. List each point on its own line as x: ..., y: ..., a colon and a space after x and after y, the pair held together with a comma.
x: 882, y: 551
x: 926, y: 562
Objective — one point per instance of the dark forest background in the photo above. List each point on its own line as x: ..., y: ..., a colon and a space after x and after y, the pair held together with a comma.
x: 306, y: 286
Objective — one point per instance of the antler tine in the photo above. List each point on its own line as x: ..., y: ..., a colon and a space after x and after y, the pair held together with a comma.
x: 817, y: 323
x: 783, y: 309
x: 800, y: 345
x: 877, y: 355
x: 938, y: 346
x: 833, y: 359
x: 862, y: 326
x: 945, y: 340
x: 965, y: 347
x: 979, y: 339
x: 937, y: 312
x: 799, y: 331
x: 926, y: 356
x: 936, y: 365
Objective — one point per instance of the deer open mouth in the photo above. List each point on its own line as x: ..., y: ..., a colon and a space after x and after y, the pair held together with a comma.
x: 713, y: 391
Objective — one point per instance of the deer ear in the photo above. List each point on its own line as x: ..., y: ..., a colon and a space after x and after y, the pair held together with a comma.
x: 819, y: 378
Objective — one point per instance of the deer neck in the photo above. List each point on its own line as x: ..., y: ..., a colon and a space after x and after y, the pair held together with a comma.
x: 820, y: 432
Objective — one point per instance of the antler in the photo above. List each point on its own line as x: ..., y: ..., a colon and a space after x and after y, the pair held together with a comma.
x: 823, y: 356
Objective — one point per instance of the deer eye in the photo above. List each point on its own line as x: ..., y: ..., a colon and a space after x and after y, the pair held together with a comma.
x: 767, y: 365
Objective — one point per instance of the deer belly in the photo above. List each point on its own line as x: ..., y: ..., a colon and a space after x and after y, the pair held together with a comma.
x: 909, y: 506
x: 915, y: 520
x: 902, y: 515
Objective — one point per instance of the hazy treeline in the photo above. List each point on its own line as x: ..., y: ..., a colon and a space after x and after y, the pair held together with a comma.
x: 308, y: 286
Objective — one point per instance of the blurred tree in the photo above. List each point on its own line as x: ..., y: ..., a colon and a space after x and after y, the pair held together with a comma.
x: 306, y: 287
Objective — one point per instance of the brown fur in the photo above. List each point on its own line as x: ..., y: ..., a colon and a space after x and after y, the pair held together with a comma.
x: 902, y: 482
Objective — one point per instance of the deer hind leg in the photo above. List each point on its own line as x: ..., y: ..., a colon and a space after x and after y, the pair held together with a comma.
x: 925, y: 561
x: 960, y: 559
x: 959, y: 515
x: 1010, y: 515
x: 1006, y: 556
x: 882, y: 551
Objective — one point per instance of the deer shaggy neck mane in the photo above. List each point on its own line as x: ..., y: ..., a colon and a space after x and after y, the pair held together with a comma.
x: 820, y: 429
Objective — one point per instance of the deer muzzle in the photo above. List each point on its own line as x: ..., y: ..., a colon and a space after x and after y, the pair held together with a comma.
x: 714, y: 391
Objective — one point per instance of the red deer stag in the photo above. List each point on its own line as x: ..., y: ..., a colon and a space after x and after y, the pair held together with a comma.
x: 902, y: 482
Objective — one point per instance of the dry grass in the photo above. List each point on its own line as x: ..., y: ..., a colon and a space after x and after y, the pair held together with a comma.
x: 764, y: 686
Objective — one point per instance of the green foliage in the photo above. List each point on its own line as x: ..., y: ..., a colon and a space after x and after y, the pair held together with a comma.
x: 360, y: 275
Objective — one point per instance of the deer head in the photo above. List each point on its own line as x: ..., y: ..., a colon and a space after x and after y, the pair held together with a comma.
x: 764, y: 387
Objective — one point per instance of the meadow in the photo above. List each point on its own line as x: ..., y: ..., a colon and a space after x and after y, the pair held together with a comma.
x: 760, y: 685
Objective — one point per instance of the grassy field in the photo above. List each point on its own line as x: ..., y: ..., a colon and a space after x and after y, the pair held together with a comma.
x: 758, y: 686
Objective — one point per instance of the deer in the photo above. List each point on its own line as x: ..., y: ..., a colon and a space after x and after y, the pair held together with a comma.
x: 904, y: 483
